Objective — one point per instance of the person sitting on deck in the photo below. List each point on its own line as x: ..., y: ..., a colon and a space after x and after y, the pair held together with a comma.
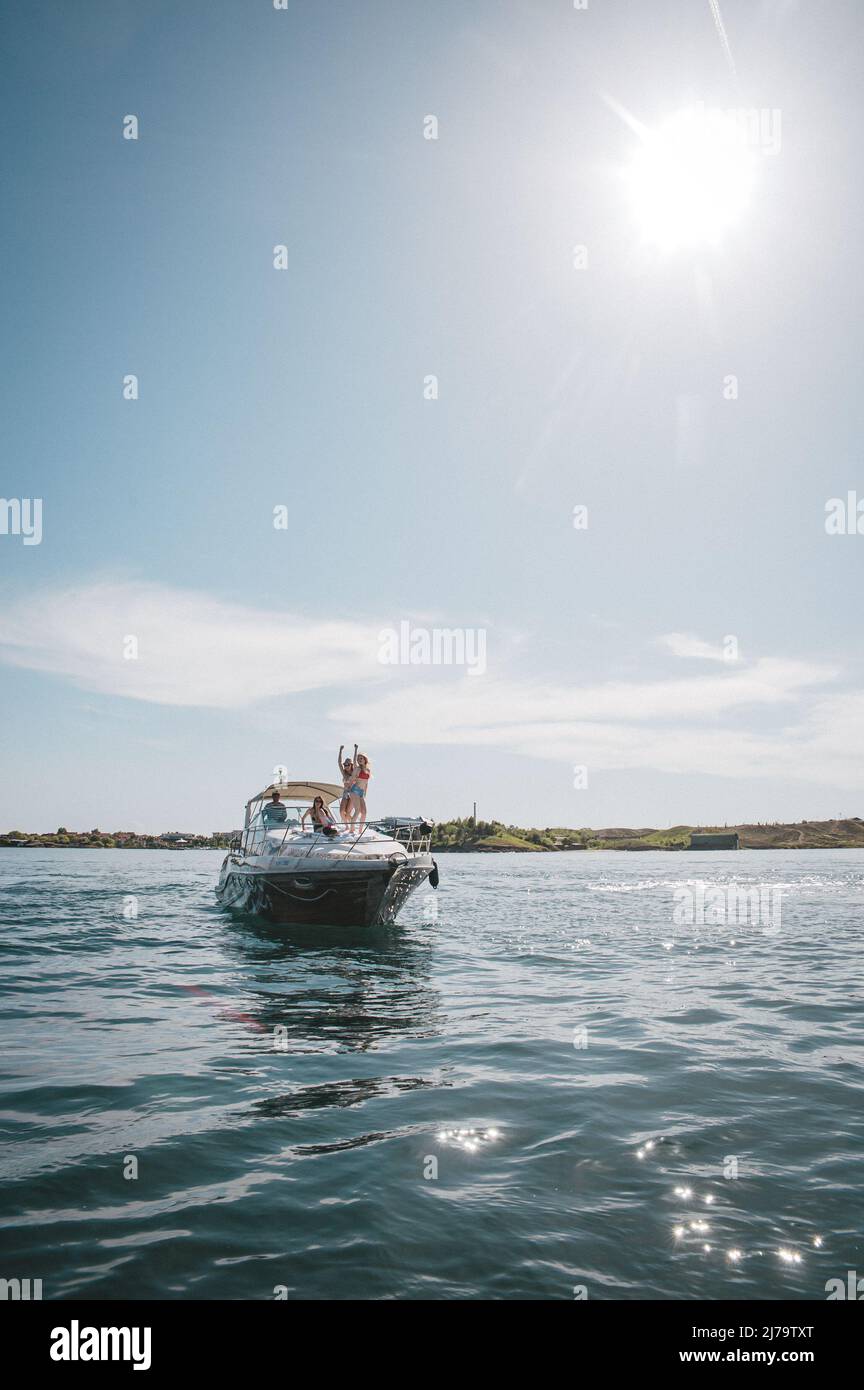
x: 321, y: 817
x: 275, y: 812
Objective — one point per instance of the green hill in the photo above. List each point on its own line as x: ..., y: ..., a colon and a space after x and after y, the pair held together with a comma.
x: 493, y: 835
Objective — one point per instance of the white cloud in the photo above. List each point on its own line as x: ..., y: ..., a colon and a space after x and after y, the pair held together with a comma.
x: 685, y: 645
x: 194, y: 650
x: 458, y: 710
x: 694, y: 726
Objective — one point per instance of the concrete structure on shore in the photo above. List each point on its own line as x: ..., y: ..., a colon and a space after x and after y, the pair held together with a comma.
x: 714, y: 841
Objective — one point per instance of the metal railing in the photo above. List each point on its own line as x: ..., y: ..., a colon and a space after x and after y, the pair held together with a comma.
x: 346, y: 827
x: 413, y: 839
x: 417, y: 839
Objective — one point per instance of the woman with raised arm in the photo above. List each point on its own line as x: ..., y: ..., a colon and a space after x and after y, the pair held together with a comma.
x: 346, y: 767
x: 361, y: 786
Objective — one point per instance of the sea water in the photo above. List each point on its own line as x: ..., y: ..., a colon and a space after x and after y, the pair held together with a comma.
x: 540, y: 1084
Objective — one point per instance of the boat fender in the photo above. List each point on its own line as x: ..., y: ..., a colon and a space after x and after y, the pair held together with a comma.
x: 433, y: 877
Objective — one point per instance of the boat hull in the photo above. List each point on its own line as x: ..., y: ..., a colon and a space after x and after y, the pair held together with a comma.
x: 357, y: 897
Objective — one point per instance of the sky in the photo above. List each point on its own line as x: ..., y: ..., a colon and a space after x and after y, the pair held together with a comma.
x: 477, y: 324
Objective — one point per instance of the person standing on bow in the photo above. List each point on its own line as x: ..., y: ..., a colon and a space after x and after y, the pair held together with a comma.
x: 346, y: 767
x: 360, y: 788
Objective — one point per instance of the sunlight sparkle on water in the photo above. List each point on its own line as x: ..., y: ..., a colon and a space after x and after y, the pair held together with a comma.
x: 789, y: 1257
x: 469, y: 1140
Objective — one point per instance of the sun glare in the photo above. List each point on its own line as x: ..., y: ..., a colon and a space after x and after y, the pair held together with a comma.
x: 691, y: 179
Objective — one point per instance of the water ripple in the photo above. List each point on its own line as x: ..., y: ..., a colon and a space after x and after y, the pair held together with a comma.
x: 551, y: 1086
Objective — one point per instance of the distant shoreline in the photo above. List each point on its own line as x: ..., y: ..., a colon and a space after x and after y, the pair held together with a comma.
x: 89, y: 839
x: 490, y: 837
x: 493, y: 837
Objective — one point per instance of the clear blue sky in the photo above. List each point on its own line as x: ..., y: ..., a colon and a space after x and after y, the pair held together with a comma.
x: 304, y: 388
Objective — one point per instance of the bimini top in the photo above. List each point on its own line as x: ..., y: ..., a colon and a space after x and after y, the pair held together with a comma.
x: 301, y: 791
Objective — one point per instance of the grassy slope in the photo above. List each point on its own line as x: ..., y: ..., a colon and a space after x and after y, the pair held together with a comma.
x: 832, y: 834
x: 505, y: 840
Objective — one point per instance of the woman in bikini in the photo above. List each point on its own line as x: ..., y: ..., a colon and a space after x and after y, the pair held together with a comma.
x: 361, y: 786
x: 346, y: 767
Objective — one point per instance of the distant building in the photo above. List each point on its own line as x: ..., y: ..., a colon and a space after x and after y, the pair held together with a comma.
x: 714, y: 841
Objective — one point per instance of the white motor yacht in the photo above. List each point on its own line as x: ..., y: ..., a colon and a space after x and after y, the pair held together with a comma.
x: 302, y: 874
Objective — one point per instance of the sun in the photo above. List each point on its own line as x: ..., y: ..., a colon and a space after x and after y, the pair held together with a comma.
x: 690, y: 180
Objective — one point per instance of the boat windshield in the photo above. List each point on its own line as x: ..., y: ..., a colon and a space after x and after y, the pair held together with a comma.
x: 278, y: 816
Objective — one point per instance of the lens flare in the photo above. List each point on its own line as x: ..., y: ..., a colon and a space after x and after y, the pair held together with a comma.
x: 691, y: 179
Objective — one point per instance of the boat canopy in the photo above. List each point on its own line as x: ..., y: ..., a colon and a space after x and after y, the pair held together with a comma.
x: 301, y: 791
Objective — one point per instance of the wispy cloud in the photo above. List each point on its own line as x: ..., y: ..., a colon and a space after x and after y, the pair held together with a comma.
x: 686, y: 645
x: 193, y: 650
x: 196, y: 650
x: 455, y: 712
x: 703, y: 725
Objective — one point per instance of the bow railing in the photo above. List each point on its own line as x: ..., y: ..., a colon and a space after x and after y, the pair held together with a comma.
x: 412, y: 838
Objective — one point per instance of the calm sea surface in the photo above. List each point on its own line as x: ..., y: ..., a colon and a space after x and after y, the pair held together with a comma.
x: 530, y: 1093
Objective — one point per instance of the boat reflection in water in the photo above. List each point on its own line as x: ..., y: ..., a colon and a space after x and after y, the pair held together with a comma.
x: 335, y: 989
x: 317, y: 1001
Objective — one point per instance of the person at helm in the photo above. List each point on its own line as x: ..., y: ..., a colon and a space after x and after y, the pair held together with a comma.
x: 275, y: 811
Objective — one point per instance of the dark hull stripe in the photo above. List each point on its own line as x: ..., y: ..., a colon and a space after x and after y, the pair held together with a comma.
x: 359, y: 900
